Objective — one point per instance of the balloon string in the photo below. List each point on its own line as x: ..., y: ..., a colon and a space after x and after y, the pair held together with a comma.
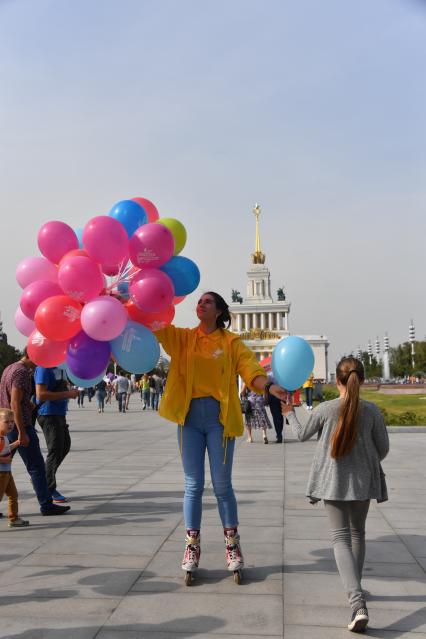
x: 123, y: 272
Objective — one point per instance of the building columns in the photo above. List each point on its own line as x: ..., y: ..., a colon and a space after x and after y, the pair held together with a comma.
x: 278, y: 316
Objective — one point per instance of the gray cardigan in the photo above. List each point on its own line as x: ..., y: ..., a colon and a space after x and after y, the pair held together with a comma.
x: 357, y: 475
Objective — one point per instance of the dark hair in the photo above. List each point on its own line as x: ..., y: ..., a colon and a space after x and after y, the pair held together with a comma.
x: 350, y: 373
x: 223, y: 307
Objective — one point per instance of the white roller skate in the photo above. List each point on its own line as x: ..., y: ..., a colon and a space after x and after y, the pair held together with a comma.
x: 192, y: 554
x: 234, y: 555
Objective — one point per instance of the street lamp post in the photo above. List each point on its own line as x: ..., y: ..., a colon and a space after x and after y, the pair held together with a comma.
x: 377, y: 348
x: 370, y: 351
x: 412, y: 337
x: 386, y: 366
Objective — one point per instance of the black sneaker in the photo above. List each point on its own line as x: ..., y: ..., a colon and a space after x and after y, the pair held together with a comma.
x: 54, y: 509
x: 279, y: 440
x: 359, y: 620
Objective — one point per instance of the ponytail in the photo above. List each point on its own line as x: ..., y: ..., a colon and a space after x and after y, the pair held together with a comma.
x: 350, y: 373
x: 222, y: 306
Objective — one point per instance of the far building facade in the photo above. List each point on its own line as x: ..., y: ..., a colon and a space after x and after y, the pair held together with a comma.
x: 260, y: 321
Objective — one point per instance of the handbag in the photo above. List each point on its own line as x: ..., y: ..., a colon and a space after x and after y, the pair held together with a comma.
x: 245, y: 406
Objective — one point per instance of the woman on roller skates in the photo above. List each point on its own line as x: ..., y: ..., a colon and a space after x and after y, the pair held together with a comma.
x: 346, y: 473
x: 201, y: 395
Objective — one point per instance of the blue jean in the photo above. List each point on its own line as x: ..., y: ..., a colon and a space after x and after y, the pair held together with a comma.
x: 202, y: 430
x: 309, y: 394
x: 121, y: 402
x: 34, y: 463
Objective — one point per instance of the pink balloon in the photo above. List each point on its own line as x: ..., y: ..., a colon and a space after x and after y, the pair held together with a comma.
x: 106, y: 241
x: 152, y: 290
x: 44, y: 351
x: 149, y: 208
x: 152, y: 245
x: 55, y: 239
x: 81, y: 278
x: 35, y: 293
x: 104, y: 318
x: 32, y: 269
x: 178, y: 299
x: 23, y: 323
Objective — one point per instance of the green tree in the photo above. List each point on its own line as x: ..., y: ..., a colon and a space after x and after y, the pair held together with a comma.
x: 400, y: 359
x: 8, y: 355
x: 371, y: 370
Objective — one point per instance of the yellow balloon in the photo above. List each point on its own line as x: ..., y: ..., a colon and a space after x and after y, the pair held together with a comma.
x: 178, y: 231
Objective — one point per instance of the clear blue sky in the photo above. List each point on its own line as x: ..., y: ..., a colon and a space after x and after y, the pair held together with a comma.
x: 314, y: 109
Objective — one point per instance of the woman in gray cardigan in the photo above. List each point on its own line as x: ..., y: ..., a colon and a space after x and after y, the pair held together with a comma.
x: 346, y: 473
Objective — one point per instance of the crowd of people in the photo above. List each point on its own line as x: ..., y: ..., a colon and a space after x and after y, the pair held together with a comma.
x: 202, y: 399
x: 121, y: 387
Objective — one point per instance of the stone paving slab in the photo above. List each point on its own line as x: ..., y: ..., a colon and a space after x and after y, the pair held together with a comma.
x: 110, y: 569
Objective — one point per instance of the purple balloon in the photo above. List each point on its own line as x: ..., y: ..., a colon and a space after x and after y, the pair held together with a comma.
x: 55, y: 239
x: 35, y: 293
x: 23, y: 323
x: 87, y: 357
x: 31, y: 269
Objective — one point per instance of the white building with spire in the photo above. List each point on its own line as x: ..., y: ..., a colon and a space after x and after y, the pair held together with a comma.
x: 260, y: 321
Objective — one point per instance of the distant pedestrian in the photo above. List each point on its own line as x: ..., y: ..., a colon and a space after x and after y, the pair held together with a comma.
x: 121, y: 385
x: 80, y: 396
x: 129, y: 391
x: 346, y: 473
x: 100, y: 394
x: 257, y: 418
x: 277, y: 416
x: 145, y: 392
x: 308, y: 387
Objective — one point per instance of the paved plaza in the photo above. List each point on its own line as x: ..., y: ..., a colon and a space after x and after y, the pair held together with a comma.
x: 110, y: 568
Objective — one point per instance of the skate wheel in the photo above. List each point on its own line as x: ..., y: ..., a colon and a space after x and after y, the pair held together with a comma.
x: 188, y: 578
x: 237, y: 576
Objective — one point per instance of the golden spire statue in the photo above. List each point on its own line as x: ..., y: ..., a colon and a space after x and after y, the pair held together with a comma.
x: 257, y: 257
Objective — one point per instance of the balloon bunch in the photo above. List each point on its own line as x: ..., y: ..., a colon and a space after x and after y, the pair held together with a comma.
x: 100, y: 292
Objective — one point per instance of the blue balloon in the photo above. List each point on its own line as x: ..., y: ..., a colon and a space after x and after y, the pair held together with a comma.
x: 79, y: 233
x: 84, y: 383
x: 131, y: 215
x: 292, y: 362
x: 136, y: 349
x: 184, y: 274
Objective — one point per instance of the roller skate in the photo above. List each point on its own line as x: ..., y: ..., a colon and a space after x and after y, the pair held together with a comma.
x: 192, y: 554
x: 234, y: 555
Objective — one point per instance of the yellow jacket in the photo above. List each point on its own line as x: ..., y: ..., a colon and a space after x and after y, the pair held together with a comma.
x: 309, y: 382
x: 179, y: 343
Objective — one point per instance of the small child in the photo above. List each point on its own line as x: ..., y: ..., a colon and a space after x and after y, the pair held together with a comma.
x: 7, y: 485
